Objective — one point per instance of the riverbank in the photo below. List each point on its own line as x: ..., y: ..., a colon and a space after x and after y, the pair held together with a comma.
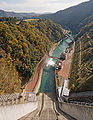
x: 53, y: 48
x: 32, y: 84
x: 63, y: 73
x: 65, y: 67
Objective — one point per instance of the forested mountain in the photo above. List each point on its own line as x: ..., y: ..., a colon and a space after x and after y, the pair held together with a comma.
x: 23, y: 44
x: 9, y: 79
x: 14, y: 14
x: 85, y: 22
x: 73, y: 16
x: 81, y: 75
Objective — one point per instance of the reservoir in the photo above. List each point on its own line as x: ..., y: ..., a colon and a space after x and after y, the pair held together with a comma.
x: 48, y: 83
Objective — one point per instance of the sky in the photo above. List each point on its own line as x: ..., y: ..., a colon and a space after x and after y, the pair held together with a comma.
x: 38, y: 6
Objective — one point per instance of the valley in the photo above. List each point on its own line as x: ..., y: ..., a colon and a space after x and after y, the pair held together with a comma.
x: 46, y: 63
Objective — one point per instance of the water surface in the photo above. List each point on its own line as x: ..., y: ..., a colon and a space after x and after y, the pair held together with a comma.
x: 48, y: 83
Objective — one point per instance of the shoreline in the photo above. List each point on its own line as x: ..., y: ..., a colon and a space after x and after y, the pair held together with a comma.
x: 31, y: 85
x: 63, y: 73
x: 55, y: 46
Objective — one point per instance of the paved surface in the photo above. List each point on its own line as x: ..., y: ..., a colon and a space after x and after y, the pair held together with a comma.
x: 47, y: 109
x: 47, y: 103
x: 64, y: 72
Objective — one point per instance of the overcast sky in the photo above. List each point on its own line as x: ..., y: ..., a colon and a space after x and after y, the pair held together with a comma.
x: 38, y: 6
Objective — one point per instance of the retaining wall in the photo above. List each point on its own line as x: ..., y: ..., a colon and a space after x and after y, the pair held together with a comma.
x: 31, y: 85
x: 82, y: 94
x: 14, y: 112
x: 37, y: 87
x: 79, y: 112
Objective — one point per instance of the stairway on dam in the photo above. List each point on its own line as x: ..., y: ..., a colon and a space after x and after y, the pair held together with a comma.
x: 47, y: 101
x: 47, y: 109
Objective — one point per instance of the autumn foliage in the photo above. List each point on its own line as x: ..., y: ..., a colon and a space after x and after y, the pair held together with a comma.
x: 25, y: 43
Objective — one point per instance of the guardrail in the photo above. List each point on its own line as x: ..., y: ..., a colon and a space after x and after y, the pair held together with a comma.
x: 80, y: 94
x: 81, y: 103
x: 66, y: 100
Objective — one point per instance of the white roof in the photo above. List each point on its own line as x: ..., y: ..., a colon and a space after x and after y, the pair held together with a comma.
x: 65, y: 89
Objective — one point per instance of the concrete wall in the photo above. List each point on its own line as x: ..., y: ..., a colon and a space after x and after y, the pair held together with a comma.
x: 14, y: 112
x: 37, y: 87
x: 77, y: 111
x: 82, y: 94
x: 32, y: 84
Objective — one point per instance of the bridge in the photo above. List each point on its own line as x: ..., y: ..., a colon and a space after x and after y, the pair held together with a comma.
x: 59, y: 60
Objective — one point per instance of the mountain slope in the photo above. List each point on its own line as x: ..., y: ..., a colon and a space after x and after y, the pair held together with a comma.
x: 14, y: 14
x: 85, y: 22
x: 26, y: 43
x: 10, y: 81
x: 71, y: 17
x: 81, y: 75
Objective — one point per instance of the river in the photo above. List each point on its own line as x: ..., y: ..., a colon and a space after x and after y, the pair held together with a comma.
x: 48, y: 83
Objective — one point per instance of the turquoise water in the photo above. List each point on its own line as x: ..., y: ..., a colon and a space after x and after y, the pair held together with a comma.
x: 48, y: 78
x: 61, y: 48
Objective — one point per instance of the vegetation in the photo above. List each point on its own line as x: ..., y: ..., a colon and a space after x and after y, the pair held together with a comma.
x: 9, y: 79
x: 24, y: 44
x: 17, y: 15
x: 73, y: 18
x: 8, y: 20
x: 81, y: 75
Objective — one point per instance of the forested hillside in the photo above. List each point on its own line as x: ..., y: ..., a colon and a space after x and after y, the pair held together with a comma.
x: 9, y: 79
x: 25, y: 43
x: 81, y: 75
x: 84, y: 22
x: 71, y: 18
